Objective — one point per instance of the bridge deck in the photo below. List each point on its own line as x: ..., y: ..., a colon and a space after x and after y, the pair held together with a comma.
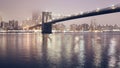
x: 107, y: 10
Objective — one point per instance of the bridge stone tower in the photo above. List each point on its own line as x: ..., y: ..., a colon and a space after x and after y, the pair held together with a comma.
x: 46, y: 27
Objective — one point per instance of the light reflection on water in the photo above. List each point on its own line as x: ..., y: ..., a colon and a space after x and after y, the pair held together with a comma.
x: 60, y: 50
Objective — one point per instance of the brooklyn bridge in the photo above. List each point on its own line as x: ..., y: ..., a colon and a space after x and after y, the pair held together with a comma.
x: 48, y: 21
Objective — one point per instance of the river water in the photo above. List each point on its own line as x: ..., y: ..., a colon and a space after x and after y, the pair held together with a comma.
x: 60, y: 50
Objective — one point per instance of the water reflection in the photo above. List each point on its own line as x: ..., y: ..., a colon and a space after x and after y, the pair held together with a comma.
x: 112, y: 59
x: 96, y: 41
x: 60, y: 50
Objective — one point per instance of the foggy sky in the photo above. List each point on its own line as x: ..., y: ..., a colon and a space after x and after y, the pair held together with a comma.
x: 22, y: 9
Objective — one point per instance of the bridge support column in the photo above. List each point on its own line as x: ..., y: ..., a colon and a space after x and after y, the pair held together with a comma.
x: 46, y: 28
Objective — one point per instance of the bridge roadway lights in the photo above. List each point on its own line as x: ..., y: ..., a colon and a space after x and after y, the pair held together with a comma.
x: 46, y: 28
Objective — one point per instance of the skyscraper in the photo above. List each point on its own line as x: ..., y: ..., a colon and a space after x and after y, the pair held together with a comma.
x: 35, y: 16
x: 93, y: 25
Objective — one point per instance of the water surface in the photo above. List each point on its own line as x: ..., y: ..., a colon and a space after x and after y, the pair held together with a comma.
x: 60, y: 50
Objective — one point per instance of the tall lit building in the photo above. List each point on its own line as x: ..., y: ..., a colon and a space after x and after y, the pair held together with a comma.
x: 26, y: 23
x: 35, y: 15
x: 4, y: 25
x: 36, y: 18
x: 85, y: 27
x: 13, y: 25
x: 93, y: 25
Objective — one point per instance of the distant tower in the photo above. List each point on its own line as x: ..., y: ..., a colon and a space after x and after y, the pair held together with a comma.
x: 46, y: 16
x: 93, y: 25
x: 35, y: 17
x: 46, y: 27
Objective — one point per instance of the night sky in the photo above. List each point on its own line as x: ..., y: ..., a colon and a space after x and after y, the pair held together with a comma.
x: 22, y: 9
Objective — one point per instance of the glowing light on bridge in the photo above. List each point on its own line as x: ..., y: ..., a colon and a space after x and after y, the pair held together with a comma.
x: 56, y: 16
x: 113, y: 7
x: 98, y: 9
x: 81, y: 13
x: 50, y: 20
x: 68, y: 15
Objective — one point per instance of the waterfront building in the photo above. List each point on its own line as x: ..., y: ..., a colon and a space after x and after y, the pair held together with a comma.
x: 116, y: 27
x: 26, y: 23
x: 91, y: 28
x: 93, y: 25
x: 59, y: 27
x: 99, y: 27
x: 85, y: 27
x: 79, y: 27
x: 13, y: 25
x: 73, y: 27
x: 4, y: 25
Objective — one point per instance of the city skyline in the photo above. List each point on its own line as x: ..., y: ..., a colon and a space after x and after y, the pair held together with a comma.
x: 20, y: 10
